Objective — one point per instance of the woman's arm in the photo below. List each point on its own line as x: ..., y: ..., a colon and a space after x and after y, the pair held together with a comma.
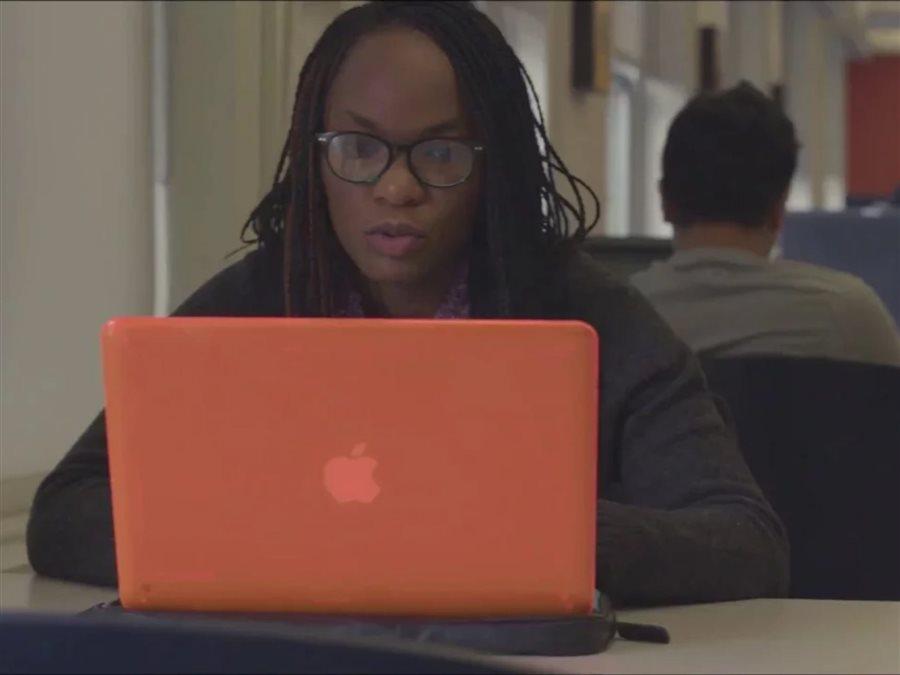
x: 70, y: 534
x: 70, y: 530
x: 689, y: 523
x: 681, y: 518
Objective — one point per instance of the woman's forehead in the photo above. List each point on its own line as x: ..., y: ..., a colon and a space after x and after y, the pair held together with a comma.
x: 399, y: 80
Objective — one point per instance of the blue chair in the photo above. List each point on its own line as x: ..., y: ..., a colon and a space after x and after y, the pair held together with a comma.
x: 867, y: 246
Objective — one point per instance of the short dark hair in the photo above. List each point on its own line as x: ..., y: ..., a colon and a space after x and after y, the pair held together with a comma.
x: 524, y: 224
x: 729, y: 156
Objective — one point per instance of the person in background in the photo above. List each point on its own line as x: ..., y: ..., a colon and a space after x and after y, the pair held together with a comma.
x: 417, y: 180
x: 726, y: 169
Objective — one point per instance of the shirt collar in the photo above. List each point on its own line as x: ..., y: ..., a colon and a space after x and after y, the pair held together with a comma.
x: 716, y: 254
x: 455, y: 305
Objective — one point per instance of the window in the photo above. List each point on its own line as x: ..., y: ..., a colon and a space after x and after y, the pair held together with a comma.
x: 617, y: 219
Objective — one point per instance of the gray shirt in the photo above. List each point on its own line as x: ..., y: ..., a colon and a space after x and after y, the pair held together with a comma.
x: 731, y: 302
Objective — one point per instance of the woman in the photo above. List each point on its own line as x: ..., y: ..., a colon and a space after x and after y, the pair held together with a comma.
x: 416, y: 181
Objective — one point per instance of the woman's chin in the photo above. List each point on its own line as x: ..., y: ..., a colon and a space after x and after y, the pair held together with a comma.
x: 391, y: 271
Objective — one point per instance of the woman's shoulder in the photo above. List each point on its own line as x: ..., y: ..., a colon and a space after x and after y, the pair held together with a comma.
x: 630, y: 329
x: 593, y: 293
x: 249, y: 287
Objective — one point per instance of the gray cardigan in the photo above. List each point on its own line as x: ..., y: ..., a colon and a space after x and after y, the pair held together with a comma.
x: 680, y: 518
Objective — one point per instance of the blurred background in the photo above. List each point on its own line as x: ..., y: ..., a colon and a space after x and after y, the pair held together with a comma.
x: 136, y: 138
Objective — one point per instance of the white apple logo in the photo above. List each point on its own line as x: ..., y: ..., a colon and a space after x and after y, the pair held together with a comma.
x: 349, y: 479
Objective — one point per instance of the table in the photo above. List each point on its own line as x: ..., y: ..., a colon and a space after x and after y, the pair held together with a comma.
x: 749, y: 636
x: 754, y: 636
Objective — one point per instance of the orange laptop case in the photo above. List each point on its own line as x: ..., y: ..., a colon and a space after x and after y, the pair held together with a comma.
x: 367, y: 467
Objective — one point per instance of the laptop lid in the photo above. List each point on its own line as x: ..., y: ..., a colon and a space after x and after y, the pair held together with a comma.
x: 441, y: 468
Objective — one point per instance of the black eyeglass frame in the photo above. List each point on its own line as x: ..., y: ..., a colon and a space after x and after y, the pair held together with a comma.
x: 394, y: 149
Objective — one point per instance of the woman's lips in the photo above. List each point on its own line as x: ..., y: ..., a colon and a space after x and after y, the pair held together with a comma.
x: 395, y: 240
x: 394, y: 246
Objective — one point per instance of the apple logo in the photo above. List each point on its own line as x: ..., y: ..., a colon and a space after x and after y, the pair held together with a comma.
x: 349, y: 479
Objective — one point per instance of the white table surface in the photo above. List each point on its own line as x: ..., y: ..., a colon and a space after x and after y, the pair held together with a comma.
x: 750, y: 636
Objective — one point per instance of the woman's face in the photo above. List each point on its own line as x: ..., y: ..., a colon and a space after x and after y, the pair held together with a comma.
x: 398, y: 85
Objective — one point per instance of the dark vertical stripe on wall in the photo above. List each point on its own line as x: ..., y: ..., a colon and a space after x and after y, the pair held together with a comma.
x: 709, y: 66
x: 777, y: 93
x: 582, y: 44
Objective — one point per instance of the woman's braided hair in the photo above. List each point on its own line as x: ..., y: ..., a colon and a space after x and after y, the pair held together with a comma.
x: 524, y: 226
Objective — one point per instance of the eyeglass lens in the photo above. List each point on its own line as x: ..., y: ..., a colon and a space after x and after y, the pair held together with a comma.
x: 361, y: 158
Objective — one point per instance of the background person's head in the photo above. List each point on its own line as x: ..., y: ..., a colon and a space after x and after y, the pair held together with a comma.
x: 405, y: 72
x: 727, y: 167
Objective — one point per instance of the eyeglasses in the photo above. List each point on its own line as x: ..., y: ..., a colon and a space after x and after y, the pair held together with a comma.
x: 363, y: 158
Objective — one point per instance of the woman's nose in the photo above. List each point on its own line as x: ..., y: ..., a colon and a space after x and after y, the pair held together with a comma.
x: 398, y: 186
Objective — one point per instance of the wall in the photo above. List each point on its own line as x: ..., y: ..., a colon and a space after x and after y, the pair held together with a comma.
x: 524, y: 25
x: 669, y: 76
x: 233, y: 73
x: 834, y: 126
x: 577, y: 120
x: 814, y: 84
x: 540, y: 34
x: 214, y: 136
x: 745, y: 56
x: 873, y: 110
x: 670, y: 43
x: 75, y: 214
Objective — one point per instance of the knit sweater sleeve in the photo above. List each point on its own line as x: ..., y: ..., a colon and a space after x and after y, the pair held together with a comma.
x: 680, y: 518
x: 70, y: 529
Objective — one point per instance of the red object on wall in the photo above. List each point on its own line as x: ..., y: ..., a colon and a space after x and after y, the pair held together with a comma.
x: 873, y: 126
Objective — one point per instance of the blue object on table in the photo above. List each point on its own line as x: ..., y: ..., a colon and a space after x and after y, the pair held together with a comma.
x: 103, y: 644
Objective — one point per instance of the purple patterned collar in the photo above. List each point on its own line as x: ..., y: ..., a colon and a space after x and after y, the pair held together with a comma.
x: 455, y: 305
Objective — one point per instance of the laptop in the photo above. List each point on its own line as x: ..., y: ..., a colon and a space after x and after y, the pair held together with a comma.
x: 353, y: 466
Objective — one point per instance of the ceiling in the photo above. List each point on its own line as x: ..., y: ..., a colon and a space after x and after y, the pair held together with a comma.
x: 870, y: 26
x: 880, y: 22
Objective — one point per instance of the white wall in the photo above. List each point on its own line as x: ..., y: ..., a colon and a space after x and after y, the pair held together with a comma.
x: 834, y: 127
x: 816, y: 48
x: 668, y: 79
x: 75, y: 213
x: 234, y: 69
x: 524, y: 25
x: 214, y: 136
x: 746, y: 56
x: 540, y: 33
x: 577, y: 123
x: 670, y: 43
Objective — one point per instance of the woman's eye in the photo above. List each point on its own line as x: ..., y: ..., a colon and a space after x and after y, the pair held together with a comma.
x: 439, y: 153
x: 365, y: 147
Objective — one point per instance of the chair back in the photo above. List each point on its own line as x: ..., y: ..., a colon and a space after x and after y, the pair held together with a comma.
x: 822, y: 438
